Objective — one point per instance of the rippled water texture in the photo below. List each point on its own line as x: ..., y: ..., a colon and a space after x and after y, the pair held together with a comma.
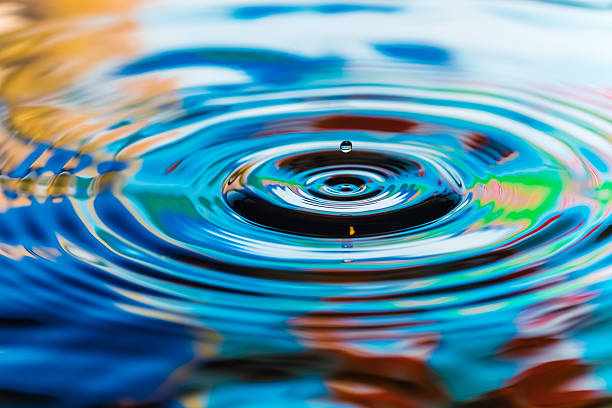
x: 384, y: 204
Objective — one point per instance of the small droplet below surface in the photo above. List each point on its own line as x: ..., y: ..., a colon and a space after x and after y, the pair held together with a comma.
x: 346, y: 146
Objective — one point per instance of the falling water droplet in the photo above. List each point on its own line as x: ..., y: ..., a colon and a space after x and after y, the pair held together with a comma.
x: 346, y: 146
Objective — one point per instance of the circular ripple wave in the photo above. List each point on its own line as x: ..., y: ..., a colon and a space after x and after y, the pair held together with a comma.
x: 452, y: 201
x: 181, y: 217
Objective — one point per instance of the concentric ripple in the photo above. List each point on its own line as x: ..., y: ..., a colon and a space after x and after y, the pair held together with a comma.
x: 454, y: 205
x: 316, y: 190
x: 451, y: 183
x: 269, y: 217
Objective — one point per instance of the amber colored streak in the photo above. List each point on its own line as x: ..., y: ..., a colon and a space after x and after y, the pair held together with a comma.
x: 51, y: 51
x: 59, y: 127
x: 15, y: 252
x: 53, y: 55
x: 103, y: 139
x: 359, y: 122
x: 140, y: 103
x: 10, y: 20
x: 145, y: 145
x: 76, y: 8
x: 55, y: 47
x: 12, y: 152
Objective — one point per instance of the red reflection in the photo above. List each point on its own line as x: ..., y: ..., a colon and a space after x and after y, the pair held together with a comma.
x: 359, y: 122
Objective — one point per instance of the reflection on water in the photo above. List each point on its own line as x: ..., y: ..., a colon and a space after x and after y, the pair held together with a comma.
x: 304, y: 204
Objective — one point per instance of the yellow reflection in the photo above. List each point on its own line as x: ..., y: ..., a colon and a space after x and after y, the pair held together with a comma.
x: 46, y: 48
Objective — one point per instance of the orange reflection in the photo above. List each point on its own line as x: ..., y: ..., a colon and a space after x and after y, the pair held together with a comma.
x: 46, y: 48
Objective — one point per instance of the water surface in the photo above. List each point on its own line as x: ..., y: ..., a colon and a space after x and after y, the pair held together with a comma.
x: 302, y: 204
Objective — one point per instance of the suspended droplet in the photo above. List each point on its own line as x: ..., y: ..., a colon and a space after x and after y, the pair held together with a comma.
x: 346, y: 146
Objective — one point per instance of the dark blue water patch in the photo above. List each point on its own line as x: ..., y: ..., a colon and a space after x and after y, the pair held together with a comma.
x: 117, y: 218
x: 11, y: 195
x: 228, y: 88
x: 257, y: 12
x: 58, y: 318
x: 112, y: 212
x: 33, y: 229
x: 58, y: 160
x: 110, y: 166
x: 416, y: 53
x: 25, y: 166
x: 60, y: 283
x: 81, y: 284
x: 28, y: 226
x: 123, y: 361
x: 7, y: 234
x: 351, y: 8
x: 120, y: 124
x: 69, y: 225
x: 264, y: 66
x: 102, y: 278
x: 84, y: 161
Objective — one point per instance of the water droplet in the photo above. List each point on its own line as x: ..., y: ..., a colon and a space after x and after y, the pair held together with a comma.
x: 346, y: 146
